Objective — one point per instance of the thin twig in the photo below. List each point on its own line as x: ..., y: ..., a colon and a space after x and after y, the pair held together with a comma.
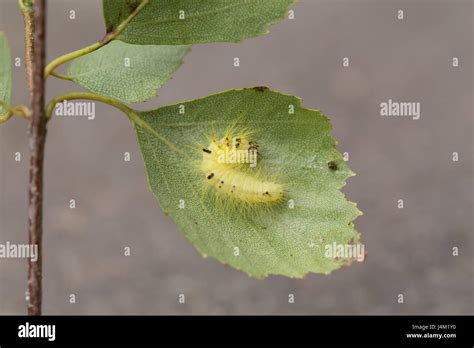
x: 37, y: 144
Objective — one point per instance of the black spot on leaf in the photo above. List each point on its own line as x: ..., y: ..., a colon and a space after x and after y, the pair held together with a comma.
x: 332, y: 165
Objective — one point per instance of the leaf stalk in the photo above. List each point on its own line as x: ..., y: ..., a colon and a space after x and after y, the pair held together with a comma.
x: 95, y: 46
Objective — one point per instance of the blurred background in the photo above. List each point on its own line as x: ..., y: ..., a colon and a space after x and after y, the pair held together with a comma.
x: 410, y: 250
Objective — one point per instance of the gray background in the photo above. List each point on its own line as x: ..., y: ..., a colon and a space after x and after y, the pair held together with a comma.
x: 410, y: 250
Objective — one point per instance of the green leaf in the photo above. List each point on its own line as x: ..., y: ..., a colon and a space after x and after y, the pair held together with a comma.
x: 5, y: 72
x: 159, y: 22
x: 295, y: 148
x: 129, y: 73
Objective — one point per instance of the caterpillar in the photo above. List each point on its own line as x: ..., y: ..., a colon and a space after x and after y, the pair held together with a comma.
x: 229, y: 168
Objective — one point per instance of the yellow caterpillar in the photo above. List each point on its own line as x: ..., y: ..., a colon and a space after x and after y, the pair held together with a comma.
x: 228, y: 166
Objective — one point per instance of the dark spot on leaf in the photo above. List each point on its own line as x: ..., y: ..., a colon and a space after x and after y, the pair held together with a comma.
x: 207, y: 151
x: 210, y: 176
x: 260, y: 88
x: 332, y: 165
x: 133, y: 6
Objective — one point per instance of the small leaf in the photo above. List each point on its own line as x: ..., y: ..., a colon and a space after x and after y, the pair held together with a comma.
x: 5, y: 72
x: 295, y: 148
x: 129, y: 73
x: 178, y: 22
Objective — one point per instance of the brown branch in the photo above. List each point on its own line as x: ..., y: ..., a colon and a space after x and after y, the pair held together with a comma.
x: 37, y: 143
